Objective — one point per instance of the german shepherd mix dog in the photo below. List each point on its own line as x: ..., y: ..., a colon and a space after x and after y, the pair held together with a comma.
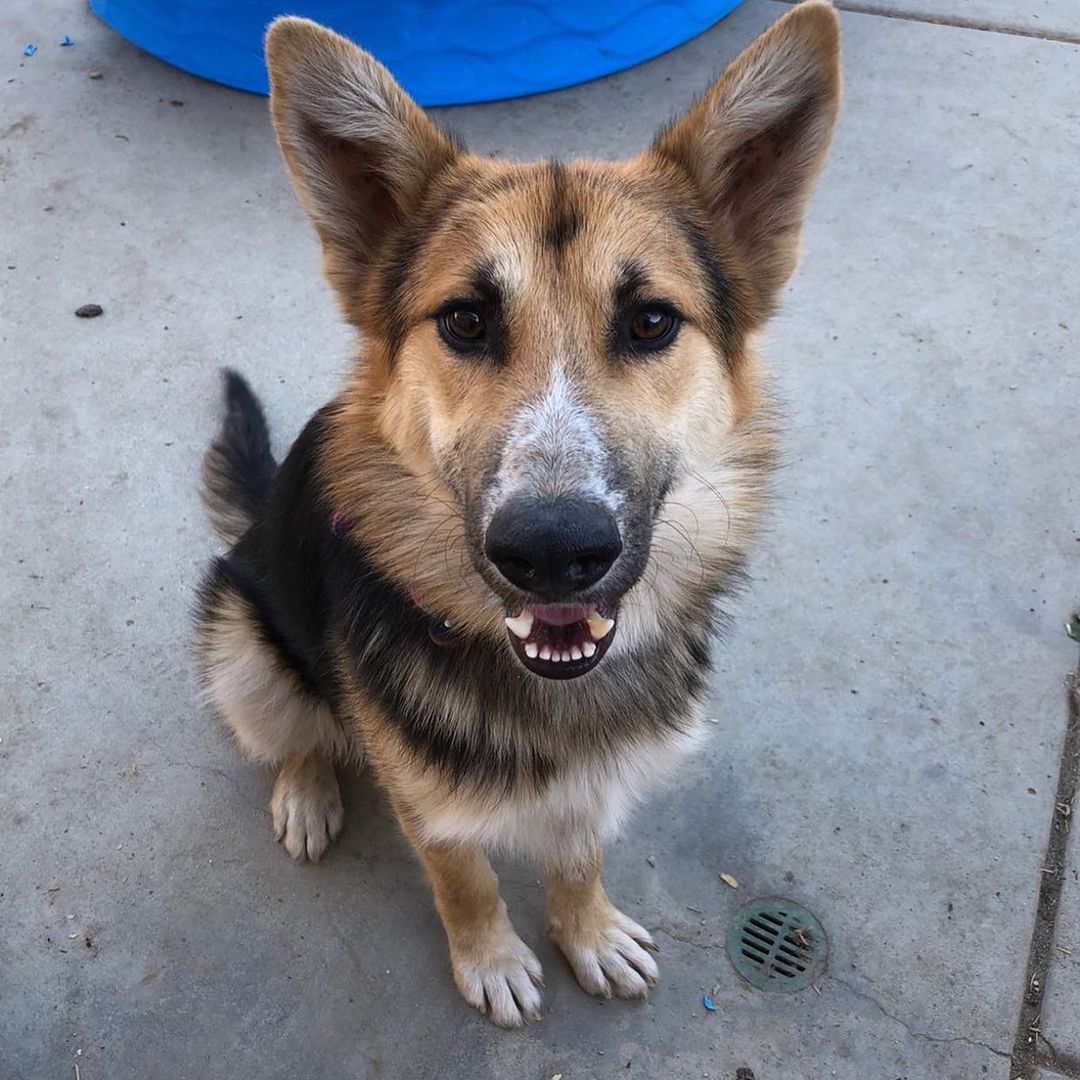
x: 490, y: 566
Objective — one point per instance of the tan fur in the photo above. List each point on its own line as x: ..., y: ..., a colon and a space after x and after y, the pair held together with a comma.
x: 277, y: 724
x: 229, y: 520
x: 756, y: 141
x: 404, y: 215
x: 306, y: 805
x: 341, y: 119
x: 494, y: 969
x: 263, y: 705
x: 608, y: 951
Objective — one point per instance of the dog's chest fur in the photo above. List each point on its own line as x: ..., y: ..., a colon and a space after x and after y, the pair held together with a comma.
x: 583, y: 802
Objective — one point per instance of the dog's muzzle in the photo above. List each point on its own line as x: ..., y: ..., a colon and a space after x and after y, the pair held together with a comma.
x: 555, y: 551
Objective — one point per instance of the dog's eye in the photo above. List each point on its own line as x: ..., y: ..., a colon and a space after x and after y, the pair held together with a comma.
x: 653, y: 327
x: 462, y: 326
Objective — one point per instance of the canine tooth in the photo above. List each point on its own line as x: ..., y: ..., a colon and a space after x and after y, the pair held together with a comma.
x: 531, y: 650
x: 600, y: 627
x: 575, y: 652
x: 545, y: 653
x: 521, y: 625
x: 589, y: 649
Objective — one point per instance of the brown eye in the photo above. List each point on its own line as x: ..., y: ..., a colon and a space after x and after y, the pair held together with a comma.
x: 462, y: 325
x: 653, y: 327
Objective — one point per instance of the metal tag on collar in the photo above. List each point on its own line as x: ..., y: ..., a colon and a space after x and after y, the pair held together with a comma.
x: 443, y: 633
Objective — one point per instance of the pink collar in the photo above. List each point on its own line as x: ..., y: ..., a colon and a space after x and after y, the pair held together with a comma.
x: 440, y: 630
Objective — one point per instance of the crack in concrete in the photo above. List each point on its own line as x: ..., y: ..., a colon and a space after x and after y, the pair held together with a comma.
x: 1049, y: 1045
x: 221, y: 773
x: 1060, y: 1067
x: 959, y: 22
x: 1053, y: 1061
x: 1057, y: 1064
x: 707, y: 946
x: 924, y: 1035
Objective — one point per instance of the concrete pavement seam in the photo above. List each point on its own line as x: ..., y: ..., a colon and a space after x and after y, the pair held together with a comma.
x: 1027, y: 1054
x: 884, y: 11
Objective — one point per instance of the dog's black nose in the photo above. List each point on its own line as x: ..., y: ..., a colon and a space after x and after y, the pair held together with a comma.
x: 553, y: 548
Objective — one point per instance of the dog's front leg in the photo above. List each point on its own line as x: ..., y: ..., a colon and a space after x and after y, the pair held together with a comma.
x: 494, y: 969
x: 607, y: 950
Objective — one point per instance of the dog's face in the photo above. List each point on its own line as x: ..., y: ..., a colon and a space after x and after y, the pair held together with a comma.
x: 563, y: 348
x: 562, y: 345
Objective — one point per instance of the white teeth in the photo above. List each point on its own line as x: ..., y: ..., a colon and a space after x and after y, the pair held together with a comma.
x: 545, y: 653
x: 575, y: 652
x: 600, y: 627
x: 531, y: 650
x: 589, y: 649
x: 521, y: 625
x: 566, y: 657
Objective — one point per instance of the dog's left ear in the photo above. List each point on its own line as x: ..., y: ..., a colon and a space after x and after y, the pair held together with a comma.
x: 755, y: 142
x: 360, y: 151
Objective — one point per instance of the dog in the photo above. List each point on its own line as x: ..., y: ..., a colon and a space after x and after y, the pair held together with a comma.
x: 492, y: 567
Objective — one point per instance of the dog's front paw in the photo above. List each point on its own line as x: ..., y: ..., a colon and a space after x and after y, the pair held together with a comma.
x: 608, y: 953
x: 499, y: 975
x: 306, y: 806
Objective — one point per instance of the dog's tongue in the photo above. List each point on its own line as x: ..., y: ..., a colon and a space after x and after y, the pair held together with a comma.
x: 561, y: 614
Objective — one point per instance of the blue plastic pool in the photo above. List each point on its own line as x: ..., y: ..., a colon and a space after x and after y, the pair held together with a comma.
x: 445, y: 52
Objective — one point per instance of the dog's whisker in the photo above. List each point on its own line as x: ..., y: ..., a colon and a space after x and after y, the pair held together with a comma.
x: 711, y: 487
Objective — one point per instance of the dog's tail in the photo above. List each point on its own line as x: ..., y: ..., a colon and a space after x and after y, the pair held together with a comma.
x: 239, y: 466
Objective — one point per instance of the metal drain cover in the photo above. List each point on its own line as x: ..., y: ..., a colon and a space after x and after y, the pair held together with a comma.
x: 776, y: 944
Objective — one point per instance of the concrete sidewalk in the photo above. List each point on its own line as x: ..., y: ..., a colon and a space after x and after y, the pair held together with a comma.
x: 891, y: 707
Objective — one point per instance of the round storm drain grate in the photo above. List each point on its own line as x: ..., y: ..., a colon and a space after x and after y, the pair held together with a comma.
x: 778, y: 945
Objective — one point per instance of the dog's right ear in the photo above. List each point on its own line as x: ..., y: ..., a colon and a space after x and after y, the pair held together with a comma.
x: 359, y: 149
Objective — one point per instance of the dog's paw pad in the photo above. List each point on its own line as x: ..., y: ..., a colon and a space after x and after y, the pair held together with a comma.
x: 501, y: 979
x: 612, y: 960
x: 306, y: 808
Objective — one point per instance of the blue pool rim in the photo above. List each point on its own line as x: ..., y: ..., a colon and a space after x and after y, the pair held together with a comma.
x: 444, y: 52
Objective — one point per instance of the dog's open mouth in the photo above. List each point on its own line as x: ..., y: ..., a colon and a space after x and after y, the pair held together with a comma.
x: 561, y: 641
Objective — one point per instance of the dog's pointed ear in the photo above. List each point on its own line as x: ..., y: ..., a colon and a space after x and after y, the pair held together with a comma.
x: 358, y: 148
x: 754, y: 143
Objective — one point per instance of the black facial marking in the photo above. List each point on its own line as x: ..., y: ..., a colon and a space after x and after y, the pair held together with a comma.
x: 562, y: 221
x: 487, y: 285
x: 630, y: 285
x: 717, y: 279
x: 500, y: 182
x: 665, y: 472
x: 406, y: 247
